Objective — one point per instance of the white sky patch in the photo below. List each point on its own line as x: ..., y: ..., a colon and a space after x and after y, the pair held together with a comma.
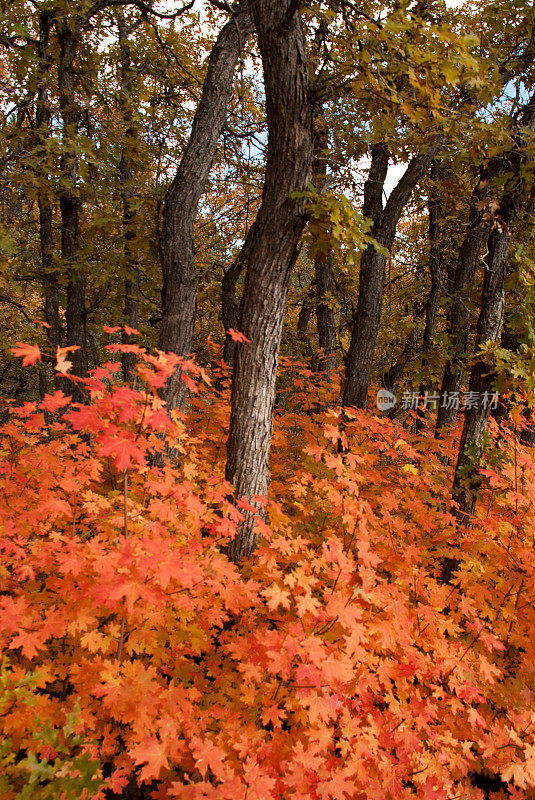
x: 395, y: 171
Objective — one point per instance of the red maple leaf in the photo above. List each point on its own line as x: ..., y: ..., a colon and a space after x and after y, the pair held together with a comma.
x: 29, y: 353
x: 237, y: 336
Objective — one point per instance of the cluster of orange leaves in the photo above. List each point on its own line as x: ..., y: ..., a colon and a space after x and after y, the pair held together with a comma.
x: 333, y: 664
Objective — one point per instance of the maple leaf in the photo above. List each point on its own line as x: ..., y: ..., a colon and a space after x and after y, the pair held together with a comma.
x: 29, y: 642
x: 152, y: 753
x: 52, y: 402
x: 29, y: 353
x: 236, y: 336
x: 123, y: 451
x: 276, y: 596
x: 210, y: 756
x: 130, y: 331
x: 111, y: 328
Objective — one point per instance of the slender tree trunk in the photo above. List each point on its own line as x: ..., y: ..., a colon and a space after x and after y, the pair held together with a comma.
x: 303, y: 320
x: 422, y: 312
x: 459, y: 317
x: 46, y: 232
x: 466, y: 481
x: 325, y: 362
x: 435, y: 258
x: 327, y: 338
x: 230, y: 306
x: 180, y: 279
x: 126, y: 175
x: 278, y: 227
x: 69, y: 203
x: 367, y: 318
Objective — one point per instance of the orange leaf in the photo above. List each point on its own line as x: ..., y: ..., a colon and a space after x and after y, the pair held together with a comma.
x: 29, y: 353
x: 237, y: 336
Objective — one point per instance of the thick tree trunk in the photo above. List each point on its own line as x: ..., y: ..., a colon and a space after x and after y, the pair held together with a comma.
x: 373, y: 264
x: 69, y: 203
x: 180, y: 280
x: 466, y: 481
x: 126, y: 175
x: 278, y: 227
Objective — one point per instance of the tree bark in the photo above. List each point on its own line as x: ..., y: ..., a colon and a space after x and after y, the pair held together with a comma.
x: 325, y: 360
x: 69, y: 203
x: 278, y: 227
x: 230, y: 306
x: 435, y: 257
x: 46, y: 233
x: 303, y: 320
x: 466, y: 480
x: 477, y: 234
x: 367, y: 317
x: 423, y: 312
x: 126, y: 176
x: 180, y: 279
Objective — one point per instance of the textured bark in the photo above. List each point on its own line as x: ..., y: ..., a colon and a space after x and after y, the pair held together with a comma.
x: 435, y: 273
x: 424, y: 313
x: 69, y: 204
x: 230, y: 306
x: 46, y: 235
x: 126, y: 177
x: 278, y: 227
x: 459, y: 316
x: 466, y: 481
x: 180, y: 279
x: 367, y: 317
x: 303, y: 320
x: 325, y: 360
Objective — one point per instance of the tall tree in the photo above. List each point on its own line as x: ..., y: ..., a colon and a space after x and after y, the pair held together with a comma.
x: 491, y: 315
x: 126, y: 177
x: 180, y: 279
x: 367, y: 317
x: 69, y: 29
x: 281, y: 39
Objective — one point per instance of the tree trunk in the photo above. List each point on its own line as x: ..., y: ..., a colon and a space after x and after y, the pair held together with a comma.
x: 230, y: 306
x: 325, y: 361
x: 435, y: 258
x: 180, y: 279
x: 327, y: 338
x: 69, y: 203
x: 46, y: 234
x: 489, y: 325
x: 278, y: 227
x: 459, y: 316
x: 303, y: 320
x: 422, y: 312
x: 367, y: 318
x: 126, y: 174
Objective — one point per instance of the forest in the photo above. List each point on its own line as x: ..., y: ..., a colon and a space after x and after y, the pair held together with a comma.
x: 267, y: 388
